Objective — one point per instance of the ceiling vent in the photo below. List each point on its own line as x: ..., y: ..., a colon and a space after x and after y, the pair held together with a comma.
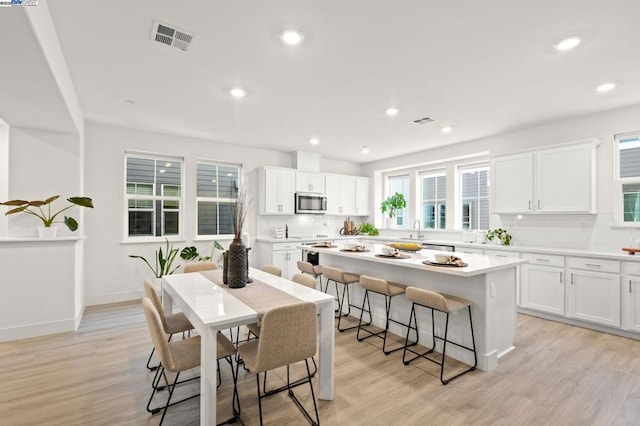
x: 424, y: 120
x: 172, y: 36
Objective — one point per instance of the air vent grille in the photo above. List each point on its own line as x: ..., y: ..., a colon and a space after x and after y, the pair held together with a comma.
x: 424, y: 120
x: 171, y: 36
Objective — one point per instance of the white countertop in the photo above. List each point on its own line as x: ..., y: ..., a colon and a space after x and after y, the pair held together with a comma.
x: 477, y: 264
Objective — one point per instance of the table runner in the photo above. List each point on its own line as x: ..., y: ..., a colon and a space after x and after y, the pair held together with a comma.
x: 259, y: 296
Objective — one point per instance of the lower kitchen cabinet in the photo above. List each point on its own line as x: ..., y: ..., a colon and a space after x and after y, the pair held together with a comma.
x: 630, y: 293
x: 593, y: 296
x: 542, y: 288
x: 285, y: 256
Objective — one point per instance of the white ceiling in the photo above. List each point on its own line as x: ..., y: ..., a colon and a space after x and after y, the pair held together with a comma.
x: 483, y: 67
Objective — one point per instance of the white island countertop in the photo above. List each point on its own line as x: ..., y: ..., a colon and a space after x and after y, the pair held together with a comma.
x: 477, y: 264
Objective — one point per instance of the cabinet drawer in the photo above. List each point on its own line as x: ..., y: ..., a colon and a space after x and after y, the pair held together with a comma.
x: 631, y: 268
x: 591, y: 264
x: 543, y: 259
x: 469, y: 250
x: 284, y: 246
x: 501, y: 253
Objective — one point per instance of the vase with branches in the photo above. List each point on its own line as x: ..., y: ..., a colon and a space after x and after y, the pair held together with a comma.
x: 237, y: 270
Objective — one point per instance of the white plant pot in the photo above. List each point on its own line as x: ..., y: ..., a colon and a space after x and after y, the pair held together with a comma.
x: 47, y: 232
x: 391, y: 223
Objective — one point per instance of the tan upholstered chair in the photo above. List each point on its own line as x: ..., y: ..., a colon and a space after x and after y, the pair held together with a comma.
x: 346, y: 279
x: 273, y: 270
x: 446, y: 304
x: 182, y: 355
x: 305, y: 280
x: 199, y: 266
x: 171, y: 324
x: 279, y: 327
x: 389, y: 290
x: 314, y: 270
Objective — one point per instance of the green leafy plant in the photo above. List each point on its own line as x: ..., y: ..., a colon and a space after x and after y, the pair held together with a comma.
x: 500, y: 234
x: 393, y: 203
x: 42, y: 210
x: 163, y: 260
x: 367, y: 229
x: 191, y: 253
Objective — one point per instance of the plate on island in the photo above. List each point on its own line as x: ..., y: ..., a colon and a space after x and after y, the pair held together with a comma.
x: 323, y: 246
x: 354, y: 250
x: 394, y: 256
x: 446, y: 264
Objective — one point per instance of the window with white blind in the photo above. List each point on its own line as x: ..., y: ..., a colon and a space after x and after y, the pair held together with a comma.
x: 217, y: 190
x: 474, y: 197
x: 434, y: 200
x: 400, y: 184
x: 153, y: 195
x: 628, y: 178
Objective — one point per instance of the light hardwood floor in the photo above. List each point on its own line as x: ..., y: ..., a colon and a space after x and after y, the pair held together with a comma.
x: 558, y: 375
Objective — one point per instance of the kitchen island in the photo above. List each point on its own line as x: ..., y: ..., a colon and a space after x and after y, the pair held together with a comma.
x: 488, y: 282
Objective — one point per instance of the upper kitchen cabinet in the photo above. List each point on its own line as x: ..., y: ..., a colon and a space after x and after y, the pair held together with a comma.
x: 277, y: 190
x: 362, y: 196
x: 557, y: 180
x: 310, y: 182
x: 341, y: 192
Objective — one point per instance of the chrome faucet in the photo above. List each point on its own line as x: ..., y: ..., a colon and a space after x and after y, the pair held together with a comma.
x: 420, y: 236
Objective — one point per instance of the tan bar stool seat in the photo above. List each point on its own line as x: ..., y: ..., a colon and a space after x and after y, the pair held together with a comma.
x: 389, y: 290
x: 346, y: 279
x: 273, y: 270
x: 310, y: 269
x: 446, y: 304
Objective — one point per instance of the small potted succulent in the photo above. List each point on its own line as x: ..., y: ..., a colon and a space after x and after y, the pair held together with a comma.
x: 42, y: 210
x: 391, y: 205
x: 500, y: 235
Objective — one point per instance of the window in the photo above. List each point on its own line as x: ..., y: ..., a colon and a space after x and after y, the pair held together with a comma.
x: 154, y: 195
x: 434, y: 200
x: 628, y: 177
x: 217, y: 190
x: 400, y: 184
x: 474, y: 197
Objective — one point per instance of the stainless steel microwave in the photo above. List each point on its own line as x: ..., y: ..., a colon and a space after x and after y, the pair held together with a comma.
x: 310, y: 203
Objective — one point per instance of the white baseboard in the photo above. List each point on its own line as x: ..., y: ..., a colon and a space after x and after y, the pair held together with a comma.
x: 103, y: 299
x: 39, y: 329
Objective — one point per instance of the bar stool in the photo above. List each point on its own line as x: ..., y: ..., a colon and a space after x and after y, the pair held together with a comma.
x: 314, y: 270
x: 389, y: 290
x: 346, y: 279
x: 446, y: 304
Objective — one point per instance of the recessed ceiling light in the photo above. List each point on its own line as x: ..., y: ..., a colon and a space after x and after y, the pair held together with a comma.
x: 446, y: 129
x: 365, y: 150
x: 605, y: 87
x: 314, y: 141
x: 291, y: 37
x: 392, y: 111
x: 568, y: 43
x: 238, y: 92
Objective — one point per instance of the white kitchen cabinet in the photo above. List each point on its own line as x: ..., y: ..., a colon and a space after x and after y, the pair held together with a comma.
x: 285, y: 256
x: 542, y: 283
x: 362, y: 196
x: 506, y: 254
x: 469, y: 250
x: 593, y: 290
x: 555, y: 180
x: 310, y: 182
x: 340, y: 191
x: 277, y: 190
x: 630, y: 293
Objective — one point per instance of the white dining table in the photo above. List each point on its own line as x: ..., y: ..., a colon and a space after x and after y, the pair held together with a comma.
x: 212, y: 308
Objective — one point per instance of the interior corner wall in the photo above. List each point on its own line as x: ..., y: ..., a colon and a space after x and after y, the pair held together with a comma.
x: 4, y: 175
x: 110, y: 275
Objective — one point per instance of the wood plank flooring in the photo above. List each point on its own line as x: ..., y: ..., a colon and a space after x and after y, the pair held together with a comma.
x: 558, y: 375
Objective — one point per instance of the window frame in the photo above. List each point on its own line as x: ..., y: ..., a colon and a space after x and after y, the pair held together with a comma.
x: 433, y: 174
x: 459, y: 205
x: 620, y: 182
x: 158, y: 201
x: 387, y: 193
x: 214, y: 199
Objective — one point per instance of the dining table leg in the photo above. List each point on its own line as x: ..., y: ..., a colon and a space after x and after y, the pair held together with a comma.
x: 327, y: 343
x: 208, y: 376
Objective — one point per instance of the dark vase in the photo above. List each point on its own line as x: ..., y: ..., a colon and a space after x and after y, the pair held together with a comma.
x: 225, y: 267
x: 238, y: 270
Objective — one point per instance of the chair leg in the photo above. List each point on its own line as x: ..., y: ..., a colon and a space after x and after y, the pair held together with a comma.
x: 346, y: 290
x: 259, y: 397
x: 413, y: 317
x: 171, y: 388
x: 151, y: 367
x: 313, y: 396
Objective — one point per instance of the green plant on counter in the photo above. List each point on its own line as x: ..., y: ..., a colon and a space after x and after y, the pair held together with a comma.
x: 500, y: 234
x: 42, y: 210
x: 164, y: 260
x: 393, y: 203
x: 367, y: 229
x: 191, y: 253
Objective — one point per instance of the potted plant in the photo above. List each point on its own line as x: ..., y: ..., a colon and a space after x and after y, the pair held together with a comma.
x: 500, y: 235
x: 191, y: 253
x: 42, y: 210
x: 163, y: 260
x: 367, y: 229
x: 392, y: 204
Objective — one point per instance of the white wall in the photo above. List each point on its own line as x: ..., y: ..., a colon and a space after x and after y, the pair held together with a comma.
x: 110, y: 274
x: 590, y: 232
x: 4, y: 175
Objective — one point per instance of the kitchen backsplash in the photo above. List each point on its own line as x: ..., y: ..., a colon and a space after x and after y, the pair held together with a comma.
x: 303, y: 225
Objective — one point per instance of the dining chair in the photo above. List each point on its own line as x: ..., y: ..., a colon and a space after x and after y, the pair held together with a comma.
x: 273, y: 270
x: 199, y: 266
x: 279, y: 327
x: 182, y: 355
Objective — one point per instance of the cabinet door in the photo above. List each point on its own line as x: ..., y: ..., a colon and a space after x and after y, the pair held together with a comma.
x: 362, y: 196
x: 512, y: 183
x: 594, y: 297
x: 287, y: 191
x: 272, y: 192
x: 309, y: 182
x: 332, y: 183
x: 565, y: 180
x: 542, y: 289
x: 280, y: 259
x: 292, y: 263
x: 347, y: 195
x: 631, y: 303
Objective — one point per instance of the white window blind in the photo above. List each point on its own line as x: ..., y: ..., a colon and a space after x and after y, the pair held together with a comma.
x: 400, y: 184
x: 217, y: 190
x: 434, y: 200
x: 474, y: 197
x: 628, y: 177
